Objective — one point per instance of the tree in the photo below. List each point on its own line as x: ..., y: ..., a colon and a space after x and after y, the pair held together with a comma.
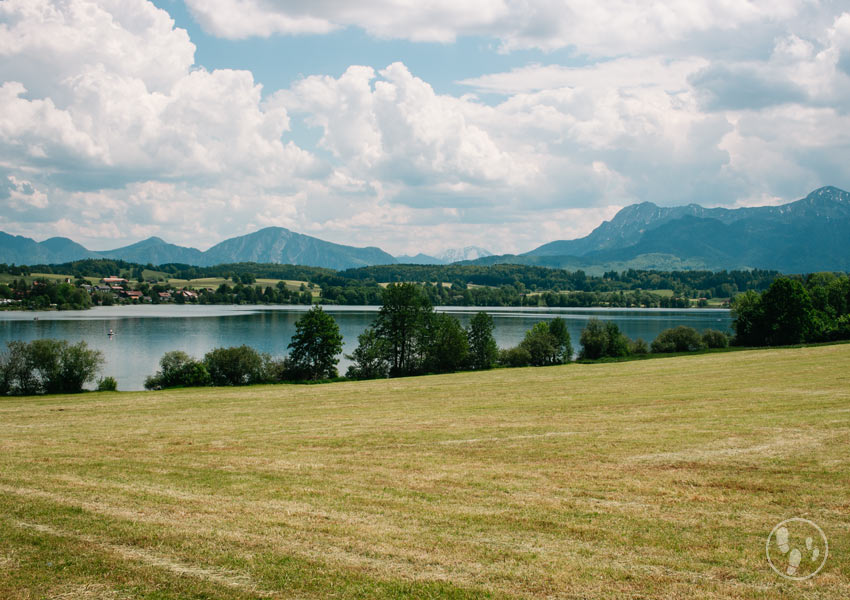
x: 787, y: 311
x: 240, y: 365
x: 79, y: 365
x: 400, y: 323
x: 47, y: 366
x: 483, y: 351
x: 17, y: 376
x: 540, y: 344
x: 594, y: 339
x: 45, y: 358
x: 445, y: 345
x: 603, y: 339
x: 563, y: 343
x: 316, y: 345
x: 749, y: 319
x: 782, y: 315
x: 618, y: 343
x: 369, y: 358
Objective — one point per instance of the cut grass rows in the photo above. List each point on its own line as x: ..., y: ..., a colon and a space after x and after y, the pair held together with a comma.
x: 646, y: 479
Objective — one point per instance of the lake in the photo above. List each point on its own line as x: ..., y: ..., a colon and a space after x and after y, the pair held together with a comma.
x: 142, y: 334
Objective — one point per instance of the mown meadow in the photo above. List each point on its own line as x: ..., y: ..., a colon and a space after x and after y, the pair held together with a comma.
x: 643, y: 479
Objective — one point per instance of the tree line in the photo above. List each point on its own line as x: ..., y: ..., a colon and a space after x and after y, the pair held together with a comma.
x: 446, y: 285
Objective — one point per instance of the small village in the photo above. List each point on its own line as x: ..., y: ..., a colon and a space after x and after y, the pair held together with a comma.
x: 152, y: 292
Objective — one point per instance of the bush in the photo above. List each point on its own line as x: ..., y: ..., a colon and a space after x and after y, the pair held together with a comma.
x: 712, y: 338
x: 107, y: 384
x: 178, y: 369
x: 678, y: 339
x: 278, y: 370
x: 238, y: 365
x: 639, y: 346
x: 515, y: 357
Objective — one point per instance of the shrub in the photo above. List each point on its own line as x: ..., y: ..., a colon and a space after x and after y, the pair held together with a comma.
x: 107, y: 384
x: 639, y: 346
x: 237, y: 365
x: 678, y: 339
x: 515, y: 357
x: 278, y: 370
x: 178, y: 369
x: 712, y: 338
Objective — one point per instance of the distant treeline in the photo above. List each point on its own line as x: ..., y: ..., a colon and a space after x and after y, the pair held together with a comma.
x: 445, y: 285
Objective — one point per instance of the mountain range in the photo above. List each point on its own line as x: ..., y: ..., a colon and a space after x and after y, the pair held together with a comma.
x: 270, y: 245
x: 811, y: 234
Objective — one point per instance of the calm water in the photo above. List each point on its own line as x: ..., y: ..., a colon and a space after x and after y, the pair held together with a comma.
x: 142, y: 334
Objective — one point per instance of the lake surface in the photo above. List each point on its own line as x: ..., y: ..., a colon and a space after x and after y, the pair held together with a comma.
x: 142, y: 334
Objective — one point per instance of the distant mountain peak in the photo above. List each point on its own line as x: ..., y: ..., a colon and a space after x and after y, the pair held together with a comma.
x: 466, y: 253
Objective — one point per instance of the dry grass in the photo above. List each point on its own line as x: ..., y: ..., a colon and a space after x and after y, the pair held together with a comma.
x: 649, y: 479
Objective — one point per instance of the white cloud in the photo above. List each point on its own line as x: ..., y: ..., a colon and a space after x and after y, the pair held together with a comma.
x: 599, y: 28
x: 109, y: 132
x: 397, y: 129
x: 118, y: 99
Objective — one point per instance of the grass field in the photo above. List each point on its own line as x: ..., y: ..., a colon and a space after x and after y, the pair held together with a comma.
x: 647, y: 479
x: 212, y: 283
x: 58, y: 278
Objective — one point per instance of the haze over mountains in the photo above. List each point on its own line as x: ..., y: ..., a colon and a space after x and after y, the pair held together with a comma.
x: 808, y: 235
x: 447, y: 256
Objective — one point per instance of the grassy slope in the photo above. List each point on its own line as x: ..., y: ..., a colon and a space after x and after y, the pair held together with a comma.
x: 649, y: 479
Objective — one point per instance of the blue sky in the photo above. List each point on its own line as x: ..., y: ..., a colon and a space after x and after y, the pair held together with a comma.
x: 412, y: 126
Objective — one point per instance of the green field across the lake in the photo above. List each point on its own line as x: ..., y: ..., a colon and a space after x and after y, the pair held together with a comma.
x: 645, y: 479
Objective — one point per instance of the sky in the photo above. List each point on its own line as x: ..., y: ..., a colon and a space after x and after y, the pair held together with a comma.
x: 412, y: 126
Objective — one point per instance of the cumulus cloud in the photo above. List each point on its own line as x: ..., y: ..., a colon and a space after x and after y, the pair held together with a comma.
x: 110, y: 133
x: 114, y: 93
